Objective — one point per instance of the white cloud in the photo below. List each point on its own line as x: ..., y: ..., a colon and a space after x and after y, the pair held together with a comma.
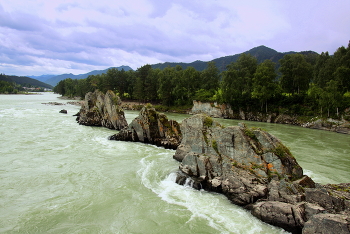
x: 64, y: 35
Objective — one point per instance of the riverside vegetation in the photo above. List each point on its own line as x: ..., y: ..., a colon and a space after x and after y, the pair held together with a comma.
x: 305, y: 84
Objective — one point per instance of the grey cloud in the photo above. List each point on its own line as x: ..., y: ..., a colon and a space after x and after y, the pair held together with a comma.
x: 174, y: 31
x: 20, y: 21
x: 66, y: 6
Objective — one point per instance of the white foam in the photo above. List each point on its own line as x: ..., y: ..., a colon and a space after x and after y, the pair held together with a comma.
x: 318, y: 178
x: 214, y: 208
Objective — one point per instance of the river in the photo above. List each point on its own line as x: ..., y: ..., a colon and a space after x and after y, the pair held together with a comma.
x: 61, y: 177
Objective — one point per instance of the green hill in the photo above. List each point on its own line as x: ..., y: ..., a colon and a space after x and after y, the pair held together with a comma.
x: 25, y: 81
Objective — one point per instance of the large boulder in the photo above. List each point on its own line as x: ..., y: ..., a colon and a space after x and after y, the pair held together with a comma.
x: 236, y: 160
x: 104, y: 110
x: 328, y: 223
x: 153, y: 128
x: 254, y: 169
x: 288, y: 216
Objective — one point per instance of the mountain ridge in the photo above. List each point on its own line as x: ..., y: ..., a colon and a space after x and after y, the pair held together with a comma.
x: 54, y: 80
x: 260, y: 52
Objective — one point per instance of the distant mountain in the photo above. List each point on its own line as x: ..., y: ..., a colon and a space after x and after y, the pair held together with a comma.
x: 55, y: 79
x: 25, y: 81
x: 42, y: 78
x: 198, y: 65
x: 261, y: 53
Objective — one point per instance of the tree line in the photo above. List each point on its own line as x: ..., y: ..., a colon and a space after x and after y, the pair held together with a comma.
x: 303, y: 85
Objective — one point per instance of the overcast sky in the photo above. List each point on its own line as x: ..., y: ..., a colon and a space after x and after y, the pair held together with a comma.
x: 66, y: 36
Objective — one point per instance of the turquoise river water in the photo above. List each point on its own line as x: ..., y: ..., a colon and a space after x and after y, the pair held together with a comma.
x: 61, y: 177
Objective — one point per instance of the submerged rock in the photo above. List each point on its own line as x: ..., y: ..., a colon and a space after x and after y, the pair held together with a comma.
x: 153, y: 128
x: 104, y: 110
x: 254, y: 169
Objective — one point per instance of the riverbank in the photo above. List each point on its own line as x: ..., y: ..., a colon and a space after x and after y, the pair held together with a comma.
x: 216, y: 110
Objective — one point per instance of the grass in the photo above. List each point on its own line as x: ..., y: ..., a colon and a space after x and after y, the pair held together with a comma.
x: 214, y: 144
x: 208, y: 121
x: 281, y: 151
x: 205, y: 136
x: 250, y: 134
x: 340, y: 188
x: 148, y: 105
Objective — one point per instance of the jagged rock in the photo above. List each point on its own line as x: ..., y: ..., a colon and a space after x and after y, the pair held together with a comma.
x: 333, y: 198
x: 151, y: 127
x: 313, y: 209
x: 288, y: 216
x: 236, y: 161
x: 100, y: 109
x: 286, y: 119
x: 285, y: 191
x: 254, y: 169
x: 63, y: 111
x: 327, y: 223
x: 212, y: 109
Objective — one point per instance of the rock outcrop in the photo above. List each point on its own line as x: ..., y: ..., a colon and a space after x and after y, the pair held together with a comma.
x: 212, y: 109
x: 329, y: 124
x: 254, y: 169
x: 224, y: 111
x: 153, y: 128
x: 100, y: 109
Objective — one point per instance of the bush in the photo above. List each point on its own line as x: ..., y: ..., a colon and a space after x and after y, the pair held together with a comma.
x: 214, y: 144
x: 208, y: 121
x: 281, y: 151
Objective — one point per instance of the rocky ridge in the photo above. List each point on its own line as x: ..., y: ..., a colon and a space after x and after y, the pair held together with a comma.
x: 100, y: 109
x: 153, y: 128
x: 254, y: 169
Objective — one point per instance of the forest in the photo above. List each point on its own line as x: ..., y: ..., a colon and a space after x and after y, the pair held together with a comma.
x: 300, y: 84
